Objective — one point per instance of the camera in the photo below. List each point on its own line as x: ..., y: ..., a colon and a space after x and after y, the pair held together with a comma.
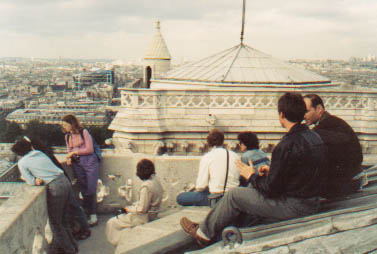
x: 75, y: 158
x: 120, y: 211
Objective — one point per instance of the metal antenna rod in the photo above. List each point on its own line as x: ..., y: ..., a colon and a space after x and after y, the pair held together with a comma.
x: 243, y: 19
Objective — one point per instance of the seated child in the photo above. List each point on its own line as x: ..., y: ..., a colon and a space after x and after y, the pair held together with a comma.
x: 249, y: 146
x: 143, y: 211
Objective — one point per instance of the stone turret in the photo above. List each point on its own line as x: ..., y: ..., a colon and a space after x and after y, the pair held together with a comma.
x: 157, y: 58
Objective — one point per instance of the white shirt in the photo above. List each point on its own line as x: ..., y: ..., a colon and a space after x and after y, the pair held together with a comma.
x: 212, y: 171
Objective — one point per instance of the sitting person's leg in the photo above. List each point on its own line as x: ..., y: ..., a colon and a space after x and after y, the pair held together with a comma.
x: 193, y: 198
x: 79, y: 215
x: 249, y: 200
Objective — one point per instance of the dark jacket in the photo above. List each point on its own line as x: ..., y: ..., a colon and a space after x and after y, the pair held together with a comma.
x: 297, y: 163
x: 344, y: 154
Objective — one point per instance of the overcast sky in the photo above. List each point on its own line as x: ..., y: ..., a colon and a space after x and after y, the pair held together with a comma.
x: 122, y: 29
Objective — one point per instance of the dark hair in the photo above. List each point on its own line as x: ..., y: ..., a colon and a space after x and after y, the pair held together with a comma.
x: 26, y: 144
x: 315, y: 99
x: 249, y: 139
x: 73, y: 121
x: 292, y: 106
x: 22, y: 147
x: 144, y: 169
x: 215, y: 138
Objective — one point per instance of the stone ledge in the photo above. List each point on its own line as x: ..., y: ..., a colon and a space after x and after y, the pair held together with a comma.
x: 160, y: 235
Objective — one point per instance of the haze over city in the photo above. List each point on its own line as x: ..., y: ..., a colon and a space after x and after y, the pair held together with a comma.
x: 193, y: 29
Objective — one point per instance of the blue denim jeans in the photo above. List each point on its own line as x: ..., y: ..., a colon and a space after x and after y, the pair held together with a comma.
x: 193, y: 198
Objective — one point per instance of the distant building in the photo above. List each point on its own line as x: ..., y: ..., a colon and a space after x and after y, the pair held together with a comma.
x: 9, y: 105
x: 84, y: 79
x: 89, y: 113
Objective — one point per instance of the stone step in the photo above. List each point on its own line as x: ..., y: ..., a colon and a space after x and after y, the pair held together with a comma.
x: 159, y: 236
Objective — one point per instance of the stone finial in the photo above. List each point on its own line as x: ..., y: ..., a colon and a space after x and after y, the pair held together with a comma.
x: 102, y: 191
x: 170, y: 147
x: 158, y: 146
x: 202, y: 147
x: 185, y: 146
x: 129, y: 145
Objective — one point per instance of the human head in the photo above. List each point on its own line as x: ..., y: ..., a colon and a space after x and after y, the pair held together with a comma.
x: 215, y: 138
x: 291, y: 106
x: 22, y: 146
x: 314, y: 108
x: 71, y: 124
x: 248, y: 141
x: 144, y: 169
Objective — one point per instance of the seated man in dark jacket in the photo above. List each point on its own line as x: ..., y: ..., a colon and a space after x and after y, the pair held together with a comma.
x: 344, y: 150
x: 286, y: 189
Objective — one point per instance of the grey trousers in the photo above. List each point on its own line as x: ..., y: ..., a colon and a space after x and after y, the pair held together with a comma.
x: 59, y: 197
x: 240, y: 202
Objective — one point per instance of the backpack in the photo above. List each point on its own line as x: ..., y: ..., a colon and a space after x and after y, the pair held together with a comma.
x: 96, y: 147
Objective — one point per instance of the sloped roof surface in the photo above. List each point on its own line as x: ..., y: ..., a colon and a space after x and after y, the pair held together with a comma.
x: 243, y: 64
x: 157, y: 47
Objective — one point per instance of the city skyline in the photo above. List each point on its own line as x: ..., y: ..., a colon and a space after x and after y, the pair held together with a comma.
x: 192, y: 30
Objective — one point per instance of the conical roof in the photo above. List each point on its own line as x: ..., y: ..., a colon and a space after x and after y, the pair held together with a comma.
x: 245, y: 65
x: 157, y: 48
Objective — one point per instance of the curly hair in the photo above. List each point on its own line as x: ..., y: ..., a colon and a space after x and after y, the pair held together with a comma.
x: 215, y: 138
x: 144, y: 169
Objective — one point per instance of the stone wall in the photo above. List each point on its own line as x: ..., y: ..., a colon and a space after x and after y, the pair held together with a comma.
x: 174, y: 172
x: 23, y: 219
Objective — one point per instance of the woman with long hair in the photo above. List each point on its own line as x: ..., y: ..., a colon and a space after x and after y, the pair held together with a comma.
x: 37, y: 168
x: 85, y: 164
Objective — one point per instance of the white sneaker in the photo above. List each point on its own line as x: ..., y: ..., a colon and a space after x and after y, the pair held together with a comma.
x: 93, y: 220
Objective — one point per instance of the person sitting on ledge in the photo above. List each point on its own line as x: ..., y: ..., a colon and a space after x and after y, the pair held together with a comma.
x: 344, y: 149
x: 285, y: 190
x: 212, y: 173
x: 249, y: 146
x: 143, y: 211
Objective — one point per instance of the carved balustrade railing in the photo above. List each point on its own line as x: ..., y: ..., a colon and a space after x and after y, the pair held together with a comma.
x: 141, y: 98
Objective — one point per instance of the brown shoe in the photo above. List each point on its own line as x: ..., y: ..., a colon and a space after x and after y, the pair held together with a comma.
x: 190, y: 228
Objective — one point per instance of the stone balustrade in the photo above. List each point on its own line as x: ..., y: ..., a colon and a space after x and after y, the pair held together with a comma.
x: 150, y: 118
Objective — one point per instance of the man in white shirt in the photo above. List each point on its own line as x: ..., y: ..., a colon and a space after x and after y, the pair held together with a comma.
x: 212, y: 173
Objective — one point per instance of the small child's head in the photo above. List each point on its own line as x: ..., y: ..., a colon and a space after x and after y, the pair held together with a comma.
x: 145, y: 169
x: 248, y: 141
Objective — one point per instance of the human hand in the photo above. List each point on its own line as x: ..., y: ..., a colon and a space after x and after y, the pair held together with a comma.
x: 69, y: 155
x: 69, y: 162
x: 245, y: 170
x: 264, y: 170
x: 191, y: 187
x: 38, y: 181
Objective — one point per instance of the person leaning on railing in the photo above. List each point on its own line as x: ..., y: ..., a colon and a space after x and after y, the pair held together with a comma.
x: 38, y: 169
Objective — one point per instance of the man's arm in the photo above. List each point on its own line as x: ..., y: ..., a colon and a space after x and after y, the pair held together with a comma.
x: 271, y: 183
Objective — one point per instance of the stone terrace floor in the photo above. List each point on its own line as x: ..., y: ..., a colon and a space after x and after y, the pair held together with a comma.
x: 169, y: 220
x: 97, y: 243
